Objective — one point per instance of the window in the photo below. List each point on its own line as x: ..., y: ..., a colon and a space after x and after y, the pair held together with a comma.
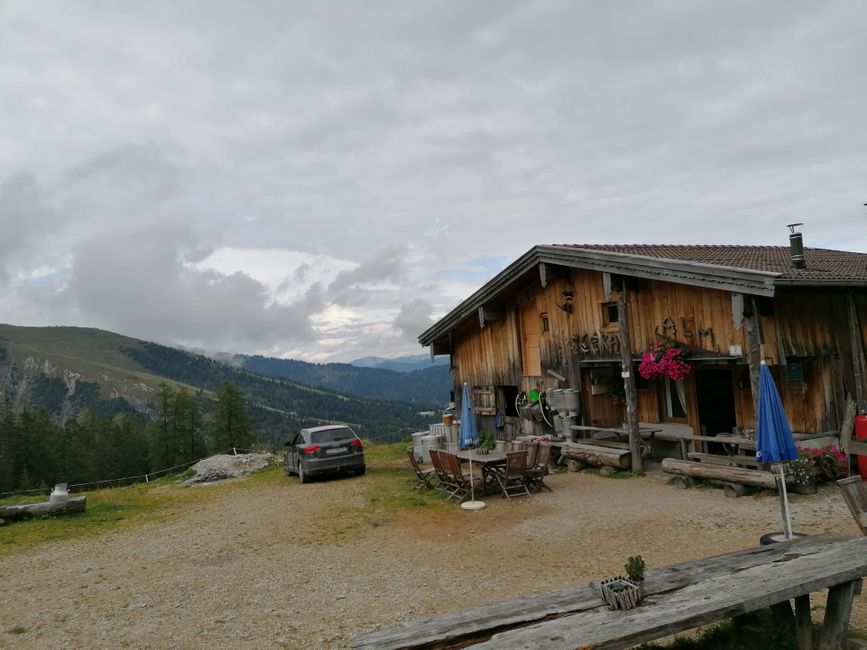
x: 674, y: 400
x: 331, y: 435
x: 795, y: 369
x: 609, y: 313
x: 546, y: 327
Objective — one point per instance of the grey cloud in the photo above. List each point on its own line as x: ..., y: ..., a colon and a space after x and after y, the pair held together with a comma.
x: 385, y: 266
x: 414, y: 318
x: 139, y: 282
x: 26, y: 217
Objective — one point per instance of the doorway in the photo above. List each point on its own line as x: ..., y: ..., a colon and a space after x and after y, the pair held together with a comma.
x: 716, y: 401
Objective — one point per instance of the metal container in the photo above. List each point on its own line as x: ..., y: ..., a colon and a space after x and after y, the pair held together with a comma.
x: 428, y: 443
x: 571, y: 400
x: 555, y: 399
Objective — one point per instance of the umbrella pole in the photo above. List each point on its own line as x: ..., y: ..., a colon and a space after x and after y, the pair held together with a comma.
x: 784, y: 503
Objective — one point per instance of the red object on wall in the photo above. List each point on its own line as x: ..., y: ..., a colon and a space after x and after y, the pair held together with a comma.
x: 861, y: 434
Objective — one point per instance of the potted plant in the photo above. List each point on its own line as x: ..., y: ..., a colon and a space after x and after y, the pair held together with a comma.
x: 486, y: 443
x: 625, y: 592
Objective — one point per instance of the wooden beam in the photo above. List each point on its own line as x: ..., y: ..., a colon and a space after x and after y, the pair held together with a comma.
x: 857, y: 353
x: 753, y: 352
x: 835, y: 628
x: 607, y: 289
x: 629, y: 380
x: 44, y: 509
x: 491, y: 312
x: 713, y: 471
x: 543, y: 274
x: 738, y: 310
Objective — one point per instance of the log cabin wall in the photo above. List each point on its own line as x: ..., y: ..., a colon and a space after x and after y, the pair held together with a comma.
x: 809, y: 327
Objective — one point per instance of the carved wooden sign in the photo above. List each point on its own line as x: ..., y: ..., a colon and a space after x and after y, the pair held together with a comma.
x: 596, y: 343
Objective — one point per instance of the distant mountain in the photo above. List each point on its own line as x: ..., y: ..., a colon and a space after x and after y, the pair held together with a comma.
x: 429, y: 385
x: 68, y: 369
x: 400, y: 364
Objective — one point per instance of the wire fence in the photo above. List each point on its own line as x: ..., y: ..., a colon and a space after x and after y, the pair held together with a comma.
x: 124, y: 480
x: 145, y: 478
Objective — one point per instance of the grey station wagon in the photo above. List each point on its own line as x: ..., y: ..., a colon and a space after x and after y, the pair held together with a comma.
x: 324, y: 450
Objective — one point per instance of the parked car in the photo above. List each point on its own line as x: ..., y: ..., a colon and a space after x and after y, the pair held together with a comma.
x: 324, y: 450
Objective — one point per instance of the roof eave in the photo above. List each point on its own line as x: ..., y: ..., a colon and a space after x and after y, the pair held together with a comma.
x: 726, y: 278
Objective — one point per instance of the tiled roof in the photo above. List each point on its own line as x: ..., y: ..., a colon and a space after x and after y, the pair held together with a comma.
x: 822, y: 263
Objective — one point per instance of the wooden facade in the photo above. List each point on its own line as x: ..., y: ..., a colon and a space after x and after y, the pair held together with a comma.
x: 555, y: 326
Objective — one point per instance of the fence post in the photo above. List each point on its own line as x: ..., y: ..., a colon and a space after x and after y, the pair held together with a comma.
x: 146, y: 479
x: 234, y: 451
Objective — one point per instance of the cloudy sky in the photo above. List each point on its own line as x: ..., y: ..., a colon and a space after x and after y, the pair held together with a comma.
x: 318, y: 180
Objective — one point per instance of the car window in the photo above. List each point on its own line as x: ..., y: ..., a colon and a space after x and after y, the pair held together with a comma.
x: 298, y: 439
x: 331, y: 435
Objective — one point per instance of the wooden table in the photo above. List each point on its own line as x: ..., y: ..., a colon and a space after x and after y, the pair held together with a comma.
x: 678, y: 597
x: 645, y: 433
x: 487, y: 462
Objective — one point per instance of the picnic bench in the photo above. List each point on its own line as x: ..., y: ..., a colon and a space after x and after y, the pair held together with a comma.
x: 677, y: 598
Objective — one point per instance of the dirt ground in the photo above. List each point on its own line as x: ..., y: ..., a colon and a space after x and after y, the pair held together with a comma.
x: 277, y: 564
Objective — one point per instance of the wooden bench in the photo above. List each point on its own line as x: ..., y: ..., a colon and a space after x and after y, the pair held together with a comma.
x: 733, y: 477
x: 596, y: 454
x: 720, y: 459
x: 677, y: 598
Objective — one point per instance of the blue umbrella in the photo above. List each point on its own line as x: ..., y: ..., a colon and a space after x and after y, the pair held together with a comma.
x: 469, y: 438
x: 774, y: 442
x: 469, y: 435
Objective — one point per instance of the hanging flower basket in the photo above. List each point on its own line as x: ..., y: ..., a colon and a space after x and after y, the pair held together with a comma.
x: 664, y: 361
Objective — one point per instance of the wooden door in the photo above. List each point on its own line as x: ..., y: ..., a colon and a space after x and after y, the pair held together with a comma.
x: 531, y: 334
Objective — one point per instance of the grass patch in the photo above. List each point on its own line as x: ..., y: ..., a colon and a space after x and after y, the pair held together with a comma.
x: 626, y: 474
x: 18, y: 629
x: 377, y: 451
x: 726, y: 636
x: 108, y: 510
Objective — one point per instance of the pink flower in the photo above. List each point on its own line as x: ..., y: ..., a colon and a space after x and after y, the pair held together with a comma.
x: 664, y: 362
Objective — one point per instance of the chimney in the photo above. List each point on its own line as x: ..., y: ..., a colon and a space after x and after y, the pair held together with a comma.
x: 796, y: 245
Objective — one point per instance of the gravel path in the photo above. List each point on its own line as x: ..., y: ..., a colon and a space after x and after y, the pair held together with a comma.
x: 282, y: 565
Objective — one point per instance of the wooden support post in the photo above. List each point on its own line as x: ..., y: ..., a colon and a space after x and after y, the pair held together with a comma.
x: 629, y: 380
x: 803, y: 623
x: 753, y: 351
x: 857, y: 353
x: 784, y: 619
x: 837, y: 612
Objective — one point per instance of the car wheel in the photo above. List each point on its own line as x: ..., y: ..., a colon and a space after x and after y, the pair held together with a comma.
x: 361, y: 470
x: 302, y: 477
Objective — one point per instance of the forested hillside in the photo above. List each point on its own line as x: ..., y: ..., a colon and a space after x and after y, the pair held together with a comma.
x: 278, y: 406
x: 428, y: 385
x: 67, y: 371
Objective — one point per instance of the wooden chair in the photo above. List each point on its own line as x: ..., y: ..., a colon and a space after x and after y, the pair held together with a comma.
x: 536, y: 473
x: 423, y: 476
x: 532, y: 453
x: 445, y: 485
x: 856, y: 498
x: 513, y: 476
x: 463, y: 481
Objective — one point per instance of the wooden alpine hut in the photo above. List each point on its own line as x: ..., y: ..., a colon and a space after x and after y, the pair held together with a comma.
x: 588, y: 318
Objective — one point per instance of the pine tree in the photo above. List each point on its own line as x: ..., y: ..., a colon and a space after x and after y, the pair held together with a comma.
x: 230, y: 423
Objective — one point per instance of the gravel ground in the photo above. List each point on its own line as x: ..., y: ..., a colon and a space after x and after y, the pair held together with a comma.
x: 282, y: 565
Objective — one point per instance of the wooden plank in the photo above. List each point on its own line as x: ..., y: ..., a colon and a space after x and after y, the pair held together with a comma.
x: 703, y: 602
x: 753, y: 352
x: 754, y: 477
x: 724, y: 459
x: 461, y: 627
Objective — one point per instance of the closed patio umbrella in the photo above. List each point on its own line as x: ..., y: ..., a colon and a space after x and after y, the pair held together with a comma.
x: 774, y: 442
x: 469, y: 438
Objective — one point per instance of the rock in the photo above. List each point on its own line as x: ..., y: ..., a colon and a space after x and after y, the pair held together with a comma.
x: 226, y: 466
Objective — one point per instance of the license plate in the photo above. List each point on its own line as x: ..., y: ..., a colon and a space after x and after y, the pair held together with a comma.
x: 336, y: 450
